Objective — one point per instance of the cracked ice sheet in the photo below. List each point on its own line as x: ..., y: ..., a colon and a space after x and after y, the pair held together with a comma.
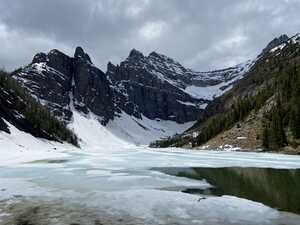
x: 139, y: 157
x: 178, y: 208
x: 149, y: 206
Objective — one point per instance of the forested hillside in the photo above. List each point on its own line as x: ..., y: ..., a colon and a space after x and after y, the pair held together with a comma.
x: 269, y: 96
x: 20, y: 109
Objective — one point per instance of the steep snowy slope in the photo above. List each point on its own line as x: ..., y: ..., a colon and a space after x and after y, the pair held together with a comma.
x: 19, y: 146
x: 124, y: 130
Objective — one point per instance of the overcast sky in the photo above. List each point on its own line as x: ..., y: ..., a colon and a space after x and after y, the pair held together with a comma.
x: 201, y: 34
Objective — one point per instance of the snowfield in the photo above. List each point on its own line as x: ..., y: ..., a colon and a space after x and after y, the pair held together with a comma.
x: 123, y: 130
x: 19, y: 147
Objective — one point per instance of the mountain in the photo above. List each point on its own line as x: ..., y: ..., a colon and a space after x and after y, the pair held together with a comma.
x: 275, y: 43
x: 61, y: 82
x: 151, y: 97
x: 143, y: 99
x: 19, y: 109
x: 159, y: 87
x: 262, y: 111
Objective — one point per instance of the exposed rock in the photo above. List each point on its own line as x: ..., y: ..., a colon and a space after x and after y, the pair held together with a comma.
x: 48, y: 78
x: 276, y: 42
x: 3, y: 126
x: 91, y: 88
x: 80, y: 54
x: 55, y: 78
x: 155, y: 87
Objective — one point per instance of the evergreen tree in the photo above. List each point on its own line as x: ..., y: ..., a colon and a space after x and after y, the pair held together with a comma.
x: 265, y: 140
x: 294, y: 120
x: 277, y: 137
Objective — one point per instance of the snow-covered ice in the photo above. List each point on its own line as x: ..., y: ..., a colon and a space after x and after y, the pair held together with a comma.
x: 117, y: 177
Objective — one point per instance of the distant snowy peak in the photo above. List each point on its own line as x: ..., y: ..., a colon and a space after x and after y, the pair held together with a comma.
x: 296, y: 38
x: 157, y: 68
x: 224, y: 75
x: 157, y: 86
x: 275, y: 43
x: 164, y: 63
x: 154, y: 61
x: 278, y: 44
x: 210, y: 85
x: 153, y: 86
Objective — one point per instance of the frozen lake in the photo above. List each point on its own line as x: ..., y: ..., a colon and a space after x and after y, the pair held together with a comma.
x: 138, y: 185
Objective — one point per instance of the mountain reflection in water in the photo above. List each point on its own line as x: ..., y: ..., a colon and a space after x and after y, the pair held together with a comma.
x: 277, y: 188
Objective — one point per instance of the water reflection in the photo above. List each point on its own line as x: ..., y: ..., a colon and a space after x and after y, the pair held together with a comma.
x: 277, y: 188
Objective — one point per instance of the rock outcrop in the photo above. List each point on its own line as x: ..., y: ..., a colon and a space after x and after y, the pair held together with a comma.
x: 61, y: 82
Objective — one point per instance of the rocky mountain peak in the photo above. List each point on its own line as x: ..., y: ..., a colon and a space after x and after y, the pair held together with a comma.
x: 276, y: 42
x: 155, y: 54
x: 55, y: 52
x: 135, y: 54
x: 55, y: 55
x: 80, y: 54
x: 40, y: 57
x: 283, y: 37
x: 163, y: 62
x: 160, y: 56
x: 297, y: 35
x: 296, y: 38
x: 110, y: 66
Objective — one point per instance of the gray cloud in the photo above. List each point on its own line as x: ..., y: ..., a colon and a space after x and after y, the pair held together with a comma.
x: 203, y: 35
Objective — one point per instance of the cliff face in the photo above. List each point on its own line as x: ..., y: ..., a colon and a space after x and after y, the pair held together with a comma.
x: 91, y: 89
x: 140, y: 90
x: 62, y: 83
x: 159, y: 87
